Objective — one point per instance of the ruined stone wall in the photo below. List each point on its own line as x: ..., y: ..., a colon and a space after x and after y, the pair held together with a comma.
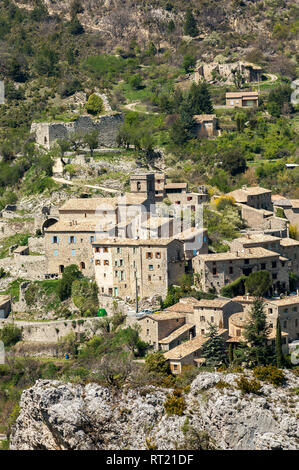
x: 107, y: 125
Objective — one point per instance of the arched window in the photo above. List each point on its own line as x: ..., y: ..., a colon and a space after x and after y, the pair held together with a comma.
x: 138, y: 185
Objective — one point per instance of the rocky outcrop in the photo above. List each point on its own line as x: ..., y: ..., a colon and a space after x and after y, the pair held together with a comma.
x: 55, y: 415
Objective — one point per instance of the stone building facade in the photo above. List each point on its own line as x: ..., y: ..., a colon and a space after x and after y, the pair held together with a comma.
x: 255, y: 196
x: 148, y: 267
x: 217, y: 270
x: 206, y: 125
x: 242, y: 99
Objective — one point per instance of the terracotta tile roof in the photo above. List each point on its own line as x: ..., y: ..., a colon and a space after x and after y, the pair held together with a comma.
x: 175, y: 186
x: 165, y: 316
x: 182, y: 307
x: 175, y: 334
x: 254, y: 252
x: 132, y: 242
x: 240, y: 195
x: 212, y: 303
x: 241, y: 94
x: 289, y: 242
x: 187, y: 348
x: 243, y: 299
x: 257, y: 238
x: 89, y: 204
x: 290, y: 300
x: 70, y: 226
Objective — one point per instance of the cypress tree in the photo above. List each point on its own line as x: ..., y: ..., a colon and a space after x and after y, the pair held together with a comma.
x: 278, y: 345
x: 190, y: 27
x: 230, y: 353
x: 256, y: 334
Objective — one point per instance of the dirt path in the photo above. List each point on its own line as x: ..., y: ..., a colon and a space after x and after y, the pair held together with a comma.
x: 72, y: 183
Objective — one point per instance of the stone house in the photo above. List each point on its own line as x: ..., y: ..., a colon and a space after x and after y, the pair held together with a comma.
x: 148, y: 267
x: 289, y: 248
x: 287, y: 309
x: 156, y: 328
x: 237, y: 323
x: 215, y: 311
x: 218, y: 269
x: 188, y: 353
x: 242, y: 99
x: 178, y: 193
x: 256, y: 197
x: 70, y: 242
x: 290, y: 208
x: 5, y: 306
x: 286, y: 247
x: 265, y: 220
x: 206, y: 125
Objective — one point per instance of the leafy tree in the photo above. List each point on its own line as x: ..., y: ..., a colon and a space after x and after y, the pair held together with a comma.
x: 75, y: 27
x: 278, y: 345
x: 70, y: 274
x: 258, y: 283
x: 64, y: 145
x: 189, y: 62
x: 92, y: 140
x: 46, y: 61
x: 190, y: 26
x: 293, y: 280
x: 94, y: 104
x: 157, y: 363
x: 10, y: 334
x: 214, y: 350
x: 256, y: 334
x: 198, y: 100
x: 135, y: 81
x: 233, y: 161
x: 85, y: 296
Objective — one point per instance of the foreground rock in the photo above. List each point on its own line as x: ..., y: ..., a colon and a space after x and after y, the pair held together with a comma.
x: 55, y: 415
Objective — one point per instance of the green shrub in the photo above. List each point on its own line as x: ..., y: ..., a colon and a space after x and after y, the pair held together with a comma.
x: 94, y: 104
x: 175, y: 404
x: 222, y: 384
x: 269, y: 374
x: 10, y: 335
x: 248, y: 386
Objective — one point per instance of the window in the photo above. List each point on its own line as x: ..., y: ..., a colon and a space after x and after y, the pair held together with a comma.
x: 270, y: 310
x: 121, y: 262
x: 202, y: 331
x: 274, y: 264
x: 212, y: 319
x: 263, y: 266
x: 150, y: 267
x: 231, y: 270
x: 175, y: 367
x: 118, y: 250
x: 55, y: 239
x: 73, y: 252
x: 115, y: 273
x: 72, y: 239
x: 189, y: 198
x: 110, y: 291
x: 97, y: 249
x: 214, y: 271
x: 138, y: 185
x: 238, y: 332
x: 106, y: 262
x: 105, y: 249
x: 149, y: 255
x: 274, y: 276
x: 202, y: 318
x: 55, y: 252
x: 149, y: 278
x: 246, y: 261
x: 158, y: 255
x: 82, y: 265
x: 147, y: 331
x: 122, y: 275
x: 285, y: 324
x: 296, y: 321
x: 91, y: 238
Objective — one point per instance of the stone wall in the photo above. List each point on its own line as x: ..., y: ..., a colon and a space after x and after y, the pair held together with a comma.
x: 107, y: 125
x: 53, y: 331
